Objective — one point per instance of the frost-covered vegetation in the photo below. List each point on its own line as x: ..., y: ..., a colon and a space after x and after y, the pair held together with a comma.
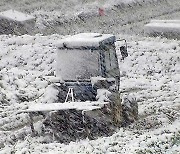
x: 151, y: 73
x: 72, y: 16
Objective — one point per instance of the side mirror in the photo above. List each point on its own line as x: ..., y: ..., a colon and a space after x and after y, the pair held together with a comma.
x: 124, y: 53
x: 123, y: 49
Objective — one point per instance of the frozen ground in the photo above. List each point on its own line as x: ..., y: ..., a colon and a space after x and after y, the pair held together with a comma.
x: 151, y: 73
x: 73, y: 16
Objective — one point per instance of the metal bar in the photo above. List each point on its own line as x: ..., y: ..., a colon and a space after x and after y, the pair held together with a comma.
x: 70, y: 92
x: 31, y: 123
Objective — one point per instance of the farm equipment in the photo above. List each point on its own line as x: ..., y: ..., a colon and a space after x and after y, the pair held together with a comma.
x: 88, y: 65
x: 85, y: 58
x: 89, y: 92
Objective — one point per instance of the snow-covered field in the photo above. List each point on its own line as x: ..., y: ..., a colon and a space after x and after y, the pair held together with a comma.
x: 151, y: 73
x: 74, y: 16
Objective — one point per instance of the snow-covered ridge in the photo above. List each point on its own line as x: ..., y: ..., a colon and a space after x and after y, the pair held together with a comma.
x: 120, y: 16
x: 15, y: 15
x: 59, y: 12
x: 84, y: 10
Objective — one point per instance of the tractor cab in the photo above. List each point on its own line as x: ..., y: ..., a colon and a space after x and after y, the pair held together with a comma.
x: 84, y: 57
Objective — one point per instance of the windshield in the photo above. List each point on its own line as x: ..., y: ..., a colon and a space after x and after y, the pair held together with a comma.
x: 77, y: 64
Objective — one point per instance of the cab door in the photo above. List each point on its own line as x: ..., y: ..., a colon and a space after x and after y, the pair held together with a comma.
x: 111, y: 63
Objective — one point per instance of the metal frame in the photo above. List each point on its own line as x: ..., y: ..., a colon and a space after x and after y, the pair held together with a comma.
x: 122, y: 40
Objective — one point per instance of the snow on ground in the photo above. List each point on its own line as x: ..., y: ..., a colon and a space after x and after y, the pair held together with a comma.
x: 128, y: 18
x: 25, y: 61
x: 71, y: 16
x: 150, y: 73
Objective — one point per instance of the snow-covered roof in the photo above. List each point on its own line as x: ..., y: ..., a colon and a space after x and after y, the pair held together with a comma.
x: 16, y: 16
x: 93, y: 40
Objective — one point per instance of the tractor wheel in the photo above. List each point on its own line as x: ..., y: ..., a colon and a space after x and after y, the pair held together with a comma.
x: 116, y: 109
x: 130, y: 109
x: 124, y: 111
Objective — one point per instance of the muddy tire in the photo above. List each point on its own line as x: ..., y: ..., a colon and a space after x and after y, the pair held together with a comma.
x: 130, y: 109
x: 116, y: 109
x: 124, y: 111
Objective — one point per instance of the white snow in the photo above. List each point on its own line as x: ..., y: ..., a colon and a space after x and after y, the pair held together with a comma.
x: 165, y: 21
x: 95, y: 79
x: 86, y: 40
x: 151, y: 75
x: 103, y: 95
x: 163, y: 27
x: 16, y: 16
x: 65, y: 106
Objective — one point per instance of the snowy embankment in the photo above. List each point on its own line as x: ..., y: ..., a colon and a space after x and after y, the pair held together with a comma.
x: 121, y: 16
x: 168, y: 28
x: 151, y: 73
x: 71, y: 10
x: 73, y: 16
x: 68, y: 17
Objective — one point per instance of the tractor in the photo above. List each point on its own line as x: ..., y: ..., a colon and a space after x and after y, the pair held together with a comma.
x: 89, y: 102
x: 87, y: 64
